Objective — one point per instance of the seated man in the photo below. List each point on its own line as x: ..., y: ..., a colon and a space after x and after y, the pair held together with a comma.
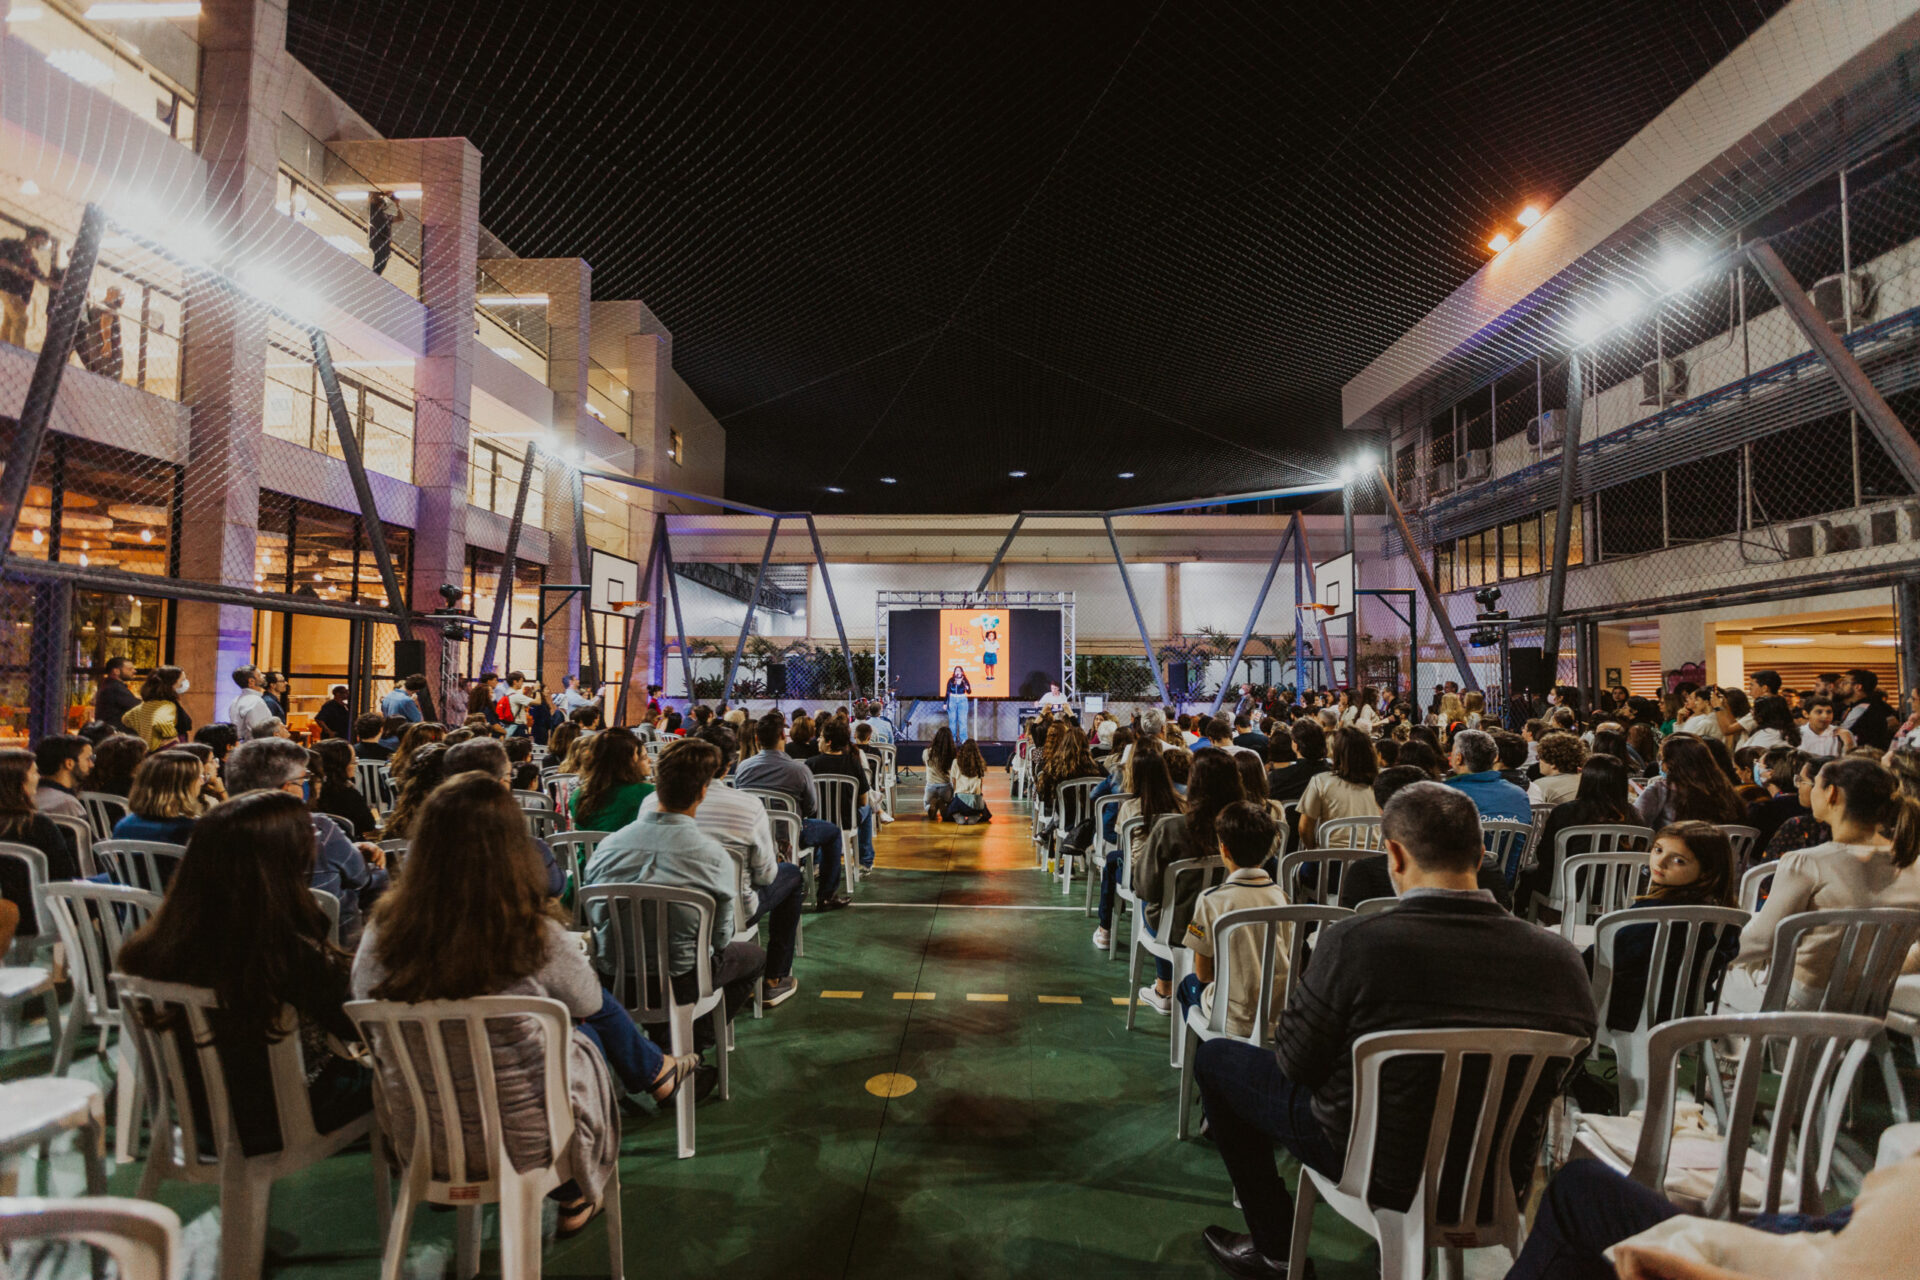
x: 667, y: 847
x: 355, y: 874
x: 1446, y: 957
x: 1246, y: 833
x: 63, y: 760
x: 836, y: 758
x: 1476, y: 771
x: 367, y: 732
x: 1245, y: 735
x: 739, y: 823
x: 863, y: 741
x: 772, y: 769
x: 488, y: 756
x: 1219, y: 734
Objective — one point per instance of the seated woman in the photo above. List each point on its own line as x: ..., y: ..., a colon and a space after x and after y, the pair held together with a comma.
x: 1344, y: 791
x: 337, y: 796
x: 213, y: 788
x: 425, y: 771
x: 166, y: 799
x: 1150, y: 796
x: 939, y: 789
x: 22, y: 823
x: 614, y: 781
x: 1601, y: 800
x: 412, y: 738
x: 1869, y: 862
x: 469, y: 918
x: 114, y: 760
x: 1691, y: 864
x: 969, y: 778
x: 1214, y: 784
x: 240, y: 920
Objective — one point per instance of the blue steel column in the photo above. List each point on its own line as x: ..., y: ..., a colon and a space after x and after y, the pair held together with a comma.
x: 753, y: 601
x: 1146, y: 641
x: 1279, y: 553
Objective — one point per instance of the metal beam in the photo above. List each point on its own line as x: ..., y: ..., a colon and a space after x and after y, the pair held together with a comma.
x: 362, y: 491
x: 1139, y: 620
x: 646, y: 584
x: 833, y: 603
x: 1906, y: 597
x: 746, y: 623
x: 614, y: 477
x: 582, y: 560
x: 1563, y: 513
x: 505, y: 590
x: 65, y: 306
x: 1246, y: 634
x: 1319, y: 619
x: 1866, y: 399
x: 673, y: 594
x: 1225, y: 499
x: 1001, y: 554
x: 1417, y: 557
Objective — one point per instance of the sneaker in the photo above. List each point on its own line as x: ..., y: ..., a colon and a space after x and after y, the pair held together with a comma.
x: 779, y: 990
x: 885, y: 817
x: 1158, y: 1002
x: 1102, y: 939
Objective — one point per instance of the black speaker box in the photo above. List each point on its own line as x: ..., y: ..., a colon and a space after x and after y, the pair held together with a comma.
x: 1177, y: 680
x: 409, y: 658
x: 776, y: 680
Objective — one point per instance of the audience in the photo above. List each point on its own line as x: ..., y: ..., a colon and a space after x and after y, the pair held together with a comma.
x: 1245, y: 833
x: 969, y: 778
x: 353, y: 873
x: 771, y: 768
x: 1189, y: 834
x: 367, y: 732
x: 1446, y: 956
x: 1150, y: 797
x: 1692, y: 787
x: 939, y: 763
x: 165, y: 801
x: 1601, y: 800
x: 1690, y: 865
x: 614, y: 774
x: 1474, y: 762
x: 836, y: 759
x: 159, y: 720
x: 338, y: 797
x: 63, y: 761
x: 1287, y: 783
x: 489, y: 756
x: 1560, y: 758
x: 1368, y: 878
x: 1344, y: 791
x: 22, y: 823
x: 426, y: 769
x: 115, y: 757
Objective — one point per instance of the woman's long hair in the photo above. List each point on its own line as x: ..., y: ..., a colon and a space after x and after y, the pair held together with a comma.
x: 114, y: 761
x: 1212, y: 786
x: 1253, y: 776
x: 969, y: 761
x: 940, y: 750
x: 427, y: 770
x: 412, y: 738
x: 1698, y: 787
x: 565, y: 734
x: 1772, y: 712
x: 1872, y: 793
x: 1151, y: 784
x: 469, y: 917
x: 167, y: 785
x: 1353, y: 757
x: 1602, y: 798
x: 1714, y: 852
x: 336, y: 762
x: 611, y: 760
x: 17, y: 808
x: 238, y: 916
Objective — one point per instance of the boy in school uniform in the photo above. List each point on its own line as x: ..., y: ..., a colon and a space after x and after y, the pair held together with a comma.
x: 1246, y: 833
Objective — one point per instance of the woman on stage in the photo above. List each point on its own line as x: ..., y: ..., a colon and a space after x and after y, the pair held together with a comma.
x: 957, y: 691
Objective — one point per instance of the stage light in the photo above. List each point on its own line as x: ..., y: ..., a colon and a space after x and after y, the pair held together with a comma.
x: 888, y: 480
x: 1678, y: 269
x: 1487, y: 598
x: 1018, y: 475
x: 834, y: 488
x: 1529, y: 215
x: 452, y: 595
x: 1500, y: 242
x: 1586, y: 326
x: 1126, y: 475
x: 1622, y: 305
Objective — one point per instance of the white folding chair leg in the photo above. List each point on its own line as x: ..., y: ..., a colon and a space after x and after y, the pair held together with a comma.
x: 616, y: 1250
x: 1175, y: 1040
x: 1133, y: 973
x: 1305, y: 1195
x: 128, y: 1106
x: 722, y: 1042
x: 244, y: 1204
x: 681, y: 1037
x: 394, y: 1257
x: 1191, y: 1046
x: 466, y: 1251
x: 1890, y: 1074
x: 520, y: 1201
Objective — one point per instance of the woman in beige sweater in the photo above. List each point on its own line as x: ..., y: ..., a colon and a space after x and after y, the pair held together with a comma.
x: 1870, y: 862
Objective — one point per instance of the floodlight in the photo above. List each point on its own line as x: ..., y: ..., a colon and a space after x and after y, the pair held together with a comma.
x: 1529, y: 215
x: 1126, y: 475
x: 888, y: 480
x: 1487, y: 598
x: 1499, y: 242
x: 1678, y: 269
x: 1622, y: 305
x: 1585, y: 327
x: 834, y: 488
x: 1018, y: 475
x: 451, y: 594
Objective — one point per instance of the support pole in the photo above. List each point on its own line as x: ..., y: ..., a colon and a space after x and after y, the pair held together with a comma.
x: 1139, y: 620
x: 505, y: 590
x: 1353, y: 618
x: 753, y: 601
x: 673, y: 594
x: 1001, y: 554
x: 833, y: 604
x: 64, y: 309
x: 1417, y: 557
x: 583, y: 570
x: 1563, y: 513
x: 1866, y: 399
x: 647, y: 584
x: 1299, y: 639
x: 1907, y: 604
x: 363, y: 491
x: 1246, y: 634
x: 1319, y: 619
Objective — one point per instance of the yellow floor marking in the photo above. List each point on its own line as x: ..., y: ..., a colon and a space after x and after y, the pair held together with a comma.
x: 841, y: 995
x: 889, y: 1084
x: 1059, y: 999
x: 913, y: 995
x: 976, y: 995
x: 1119, y: 999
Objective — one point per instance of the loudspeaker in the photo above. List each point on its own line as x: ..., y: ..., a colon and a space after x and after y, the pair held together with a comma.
x: 409, y: 658
x: 1176, y: 680
x: 776, y: 679
x: 1530, y: 672
x: 589, y: 675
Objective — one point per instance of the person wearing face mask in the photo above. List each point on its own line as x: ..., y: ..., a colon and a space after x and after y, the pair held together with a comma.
x: 160, y: 720
x: 1779, y: 771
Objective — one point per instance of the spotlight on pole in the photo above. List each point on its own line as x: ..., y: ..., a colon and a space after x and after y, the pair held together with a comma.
x: 1529, y: 215
x: 1500, y: 242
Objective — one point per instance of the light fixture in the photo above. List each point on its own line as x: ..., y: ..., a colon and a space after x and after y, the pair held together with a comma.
x: 1679, y: 268
x: 888, y: 480
x: 28, y: 187
x: 1622, y: 305
x: 834, y: 488
x: 1500, y: 242
x: 347, y: 244
x: 146, y: 535
x: 1586, y: 326
x: 1780, y: 642
x: 1880, y: 642
x: 1126, y: 475
x: 1529, y: 215
x: 511, y: 353
x: 26, y: 13
x: 1018, y: 475
x: 358, y: 194
x: 136, y: 10
x: 80, y: 65
x: 513, y: 299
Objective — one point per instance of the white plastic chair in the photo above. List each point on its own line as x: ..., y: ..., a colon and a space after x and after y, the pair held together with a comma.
x: 93, y: 920
x: 771, y: 800
x: 103, y: 810
x: 1605, y: 837
x: 138, y: 864
x: 142, y: 1238
x: 81, y: 829
x: 1679, y: 971
x: 1745, y: 841
x: 787, y: 830
x: 1210, y: 871
x: 1507, y: 842
x: 638, y: 921
x: 373, y: 779
x: 571, y: 849
x: 1754, y: 883
x: 330, y: 908
x: 1360, y: 833
x: 23, y: 976
x: 35, y: 1111
x: 1131, y: 833
x: 170, y: 1061
x: 1097, y: 856
x: 534, y: 800
x: 1325, y: 889
x: 558, y: 787
x: 1821, y: 1051
x: 837, y: 800
x: 1591, y: 885
x: 428, y: 1075
x: 543, y: 824
x: 1296, y: 923
x: 1374, y: 906
x: 1482, y: 1152
x: 396, y: 851
x: 1073, y: 800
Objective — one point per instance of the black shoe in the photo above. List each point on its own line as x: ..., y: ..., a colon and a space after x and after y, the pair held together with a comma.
x: 1237, y: 1256
x: 834, y: 903
x: 707, y: 1079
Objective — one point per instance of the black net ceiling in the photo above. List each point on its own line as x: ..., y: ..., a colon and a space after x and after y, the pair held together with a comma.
x: 935, y: 244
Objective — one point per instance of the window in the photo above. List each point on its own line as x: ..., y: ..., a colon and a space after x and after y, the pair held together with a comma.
x: 306, y: 549
x: 518, y: 646
x: 297, y: 410
x: 493, y: 480
x: 675, y: 450
x: 98, y: 507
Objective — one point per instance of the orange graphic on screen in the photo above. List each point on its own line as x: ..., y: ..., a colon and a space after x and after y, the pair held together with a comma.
x: 976, y: 642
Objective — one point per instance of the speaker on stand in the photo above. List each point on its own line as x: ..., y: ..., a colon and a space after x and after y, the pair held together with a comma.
x: 776, y: 679
x: 1177, y: 681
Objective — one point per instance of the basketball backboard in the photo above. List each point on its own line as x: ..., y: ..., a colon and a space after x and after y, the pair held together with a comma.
x: 614, y: 584
x: 1334, y: 583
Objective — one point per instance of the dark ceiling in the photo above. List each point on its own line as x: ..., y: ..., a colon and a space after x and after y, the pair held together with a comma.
x: 940, y: 243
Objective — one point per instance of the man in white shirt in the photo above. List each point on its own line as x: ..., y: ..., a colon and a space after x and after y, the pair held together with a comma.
x: 1700, y: 721
x: 250, y: 712
x: 1819, y: 736
x: 1054, y: 698
x: 868, y: 713
x: 571, y: 697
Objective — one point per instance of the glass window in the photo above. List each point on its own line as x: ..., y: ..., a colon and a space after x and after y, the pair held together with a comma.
x: 518, y: 646
x: 112, y: 63
x: 1576, y: 538
x: 609, y: 518
x: 1443, y: 567
x: 380, y: 409
x: 493, y: 480
x: 1530, y: 559
x: 1510, y: 548
x: 675, y: 449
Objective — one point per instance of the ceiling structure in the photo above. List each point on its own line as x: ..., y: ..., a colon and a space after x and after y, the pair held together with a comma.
x: 908, y: 250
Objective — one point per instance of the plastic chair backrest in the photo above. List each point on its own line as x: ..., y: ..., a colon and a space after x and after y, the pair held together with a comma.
x: 142, y: 1238
x: 103, y: 810
x: 426, y: 1063
x: 1754, y: 885
x: 373, y: 779
x: 81, y: 829
x: 141, y: 864
x: 557, y: 786
x: 1679, y: 967
x: 534, y: 800
x: 838, y: 800
x: 1071, y: 799
x: 1869, y: 946
x: 541, y: 823
x: 787, y: 830
x: 772, y: 801
x: 37, y: 873
x: 571, y: 849
x: 1105, y: 805
x: 633, y: 924
x: 1744, y: 839
x: 1460, y: 1159
x: 93, y: 920
x: 1591, y: 885
x: 1269, y: 921
x: 1325, y: 889
x: 1361, y: 833
x: 330, y: 908
x: 1374, y: 906
x: 1506, y: 842
x: 1821, y: 1052
x: 1211, y: 872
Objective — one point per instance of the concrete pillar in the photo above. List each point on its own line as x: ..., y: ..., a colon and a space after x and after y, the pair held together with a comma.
x: 649, y: 362
x: 242, y: 78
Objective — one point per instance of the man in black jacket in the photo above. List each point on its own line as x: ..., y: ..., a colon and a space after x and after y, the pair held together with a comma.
x: 1446, y: 957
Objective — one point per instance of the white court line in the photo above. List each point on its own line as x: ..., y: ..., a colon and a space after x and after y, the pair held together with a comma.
x: 964, y: 906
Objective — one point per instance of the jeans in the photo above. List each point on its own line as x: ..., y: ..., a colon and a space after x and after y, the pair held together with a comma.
x: 1162, y: 969
x: 866, y: 836
x: 957, y: 716
x: 1251, y: 1107
x: 823, y: 837
x: 736, y: 968
x: 1109, y: 884
x: 780, y: 904
x: 1188, y: 993
x: 634, y: 1060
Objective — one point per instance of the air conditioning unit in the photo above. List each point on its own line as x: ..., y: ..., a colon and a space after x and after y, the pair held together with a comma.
x: 1546, y: 431
x: 1663, y: 382
x: 1830, y: 298
x: 1475, y: 467
x: 1840, y: 537
x: 1440, y: 481
x: 1413, y: 492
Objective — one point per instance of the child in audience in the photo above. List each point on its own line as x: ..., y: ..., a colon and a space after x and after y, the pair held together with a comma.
x: 1691, y: 865
x: 939, y: 790
x: 969, y: 779
x: 1246, y: 832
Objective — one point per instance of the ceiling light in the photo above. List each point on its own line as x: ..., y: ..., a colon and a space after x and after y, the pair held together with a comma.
x: 1500, y: 242
x: 26, y: 13
x: 1880, y: 642
x: 1585, y: 327
x: 1783, y: 641
x: 28, y: 187
x: 513, y: 299
x: 1622, y: 305
x: 834, y: 488
x: 511, y: 353
x: 359, y: 194
x: 112, y: 10
x: 1679, y: 268
x: 80, y: 65
x: 347, y: 244
x: 1018, y: 475
x: 1529, y: 215
x: 1126, y: 475
x: 888, y: 480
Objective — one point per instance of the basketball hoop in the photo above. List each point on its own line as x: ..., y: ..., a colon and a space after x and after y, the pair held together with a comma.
x: 629, y: 608
x: 1328, y: 609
